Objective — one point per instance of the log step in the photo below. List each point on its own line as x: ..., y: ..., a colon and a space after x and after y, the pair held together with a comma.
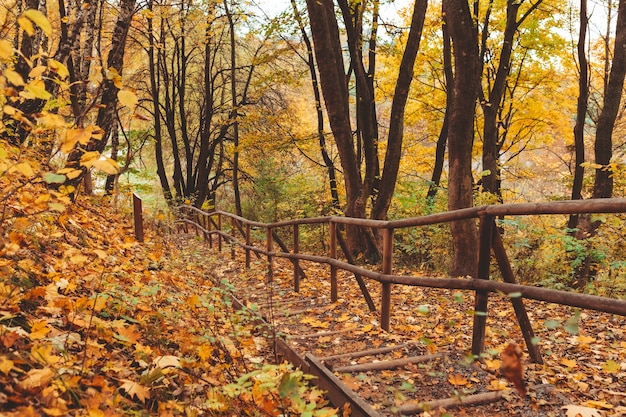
x: 384, y: 365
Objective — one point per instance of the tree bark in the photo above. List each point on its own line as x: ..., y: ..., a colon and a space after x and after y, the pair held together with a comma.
x: 310, y: 61
x: 398, y: 105
x: 581, y: 112
x: 464, y: 38
x: 106, y: 115
x: 603, y: 184
x: 440, y: 151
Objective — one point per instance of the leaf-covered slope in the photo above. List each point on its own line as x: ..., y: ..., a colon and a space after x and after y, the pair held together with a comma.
x: 94, y: 323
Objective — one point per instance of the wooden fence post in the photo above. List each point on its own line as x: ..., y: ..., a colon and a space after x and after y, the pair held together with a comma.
x: 268, y: 246
x: 296, y: 261
x: 385, y: 309
x: 138, y: 217
x: 332, y: 229
x: 248, y: 245
x: 482, y: 297
x: 209, y: 227
x: 219, y: 229
x: 232, y: 233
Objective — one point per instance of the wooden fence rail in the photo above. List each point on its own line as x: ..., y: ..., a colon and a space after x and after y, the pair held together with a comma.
x: 211, y: 224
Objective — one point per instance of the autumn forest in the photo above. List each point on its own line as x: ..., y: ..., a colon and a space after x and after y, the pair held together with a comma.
x: 368, y: 109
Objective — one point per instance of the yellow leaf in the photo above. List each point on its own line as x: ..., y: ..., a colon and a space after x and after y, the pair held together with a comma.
x: 35, y: 379
x: 6, y: 49
x: 79, y: 259
x: 25, y: 169
x: 193, y: 301
x: 70, y: 173
x: 127, y: 98
x: 59, y: 68
x: 585, y: 340
x: 44, y: 354
x: 570, y: 363
x: 457, y: 379
x: 26, y: 25
x: 39, y: 329
x: 493, y: 364
x: 367, y: 328
x: 38, y: 89
x: 598, y: 404
x: 39, y: 19
x: 497, y: 385
x: 38, y: 71
x: 74, y: 136
x: 611, y: 367
x: 106, y: 165
x: 51, y: 120
x: 133, y: 389
x: 14, y: 78
x: 5, y: 365
x: 205, y: 352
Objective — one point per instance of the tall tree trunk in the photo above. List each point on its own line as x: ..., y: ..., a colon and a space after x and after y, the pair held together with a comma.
x: 156, y: 108
x: 460, y: 134
x: 603, y: 183
x: 310, y: 61
x: 581, y: 112
x: 106, y: 115
x: 234, y: 104
x: 398, y: 105
x: 440, y: 150
x: 492, y: 106
x: 333, y: 81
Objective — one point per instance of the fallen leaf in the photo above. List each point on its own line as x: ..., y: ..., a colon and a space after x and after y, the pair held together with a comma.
x: 457, y: 379
x: 133, y: 389
x: 35, y: 379
x: 570, y: 363
x: 573, y: 410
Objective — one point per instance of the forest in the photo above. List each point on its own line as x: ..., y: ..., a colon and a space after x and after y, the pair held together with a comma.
x: 368, y: 109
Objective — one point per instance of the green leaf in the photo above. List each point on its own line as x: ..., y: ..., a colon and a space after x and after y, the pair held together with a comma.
x: 288, y: 386
x: 571, y: 325
x: 52, y: 178
x: 551, y: 324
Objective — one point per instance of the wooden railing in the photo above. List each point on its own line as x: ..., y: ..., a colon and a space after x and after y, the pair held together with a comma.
x: 211, y: 225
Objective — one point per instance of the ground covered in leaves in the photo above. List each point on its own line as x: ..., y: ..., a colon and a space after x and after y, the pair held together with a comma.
x: 94, y: 323
x: 584, y: 351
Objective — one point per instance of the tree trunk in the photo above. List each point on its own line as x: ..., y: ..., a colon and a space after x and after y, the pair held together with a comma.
x: 460, y: 134
x: 440, y: 151
x: 581, y: 113
x: 603, y: 183
x: 310, y: 61
x: 333, y: 82
x: 106, y: 115
x: 492, y: 144
x: 156, y: 109
x: 398, y: 105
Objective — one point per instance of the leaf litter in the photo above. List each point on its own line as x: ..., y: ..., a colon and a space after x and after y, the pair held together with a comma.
x: 93, y: 323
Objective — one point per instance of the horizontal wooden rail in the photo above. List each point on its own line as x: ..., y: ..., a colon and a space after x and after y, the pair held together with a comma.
x: 482, y: 285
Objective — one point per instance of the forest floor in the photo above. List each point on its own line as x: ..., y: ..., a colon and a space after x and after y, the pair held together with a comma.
x: 584, y: 352
x: 94, y: 323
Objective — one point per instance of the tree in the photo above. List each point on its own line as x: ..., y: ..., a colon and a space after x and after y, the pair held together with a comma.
x: 106, y: 119
x: 492, y: 102
x: 363, y: 179
x: 581, y: 111
x: 464, y: 36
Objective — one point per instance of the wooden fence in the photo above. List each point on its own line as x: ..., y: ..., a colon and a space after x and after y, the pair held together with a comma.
x: 210, y: 225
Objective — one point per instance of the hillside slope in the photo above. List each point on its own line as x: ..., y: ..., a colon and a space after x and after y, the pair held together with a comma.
x: 93, y: 323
